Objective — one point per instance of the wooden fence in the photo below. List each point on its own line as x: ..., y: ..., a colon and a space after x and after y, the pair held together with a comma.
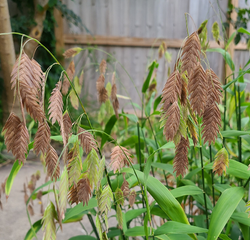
x: 132, y: 30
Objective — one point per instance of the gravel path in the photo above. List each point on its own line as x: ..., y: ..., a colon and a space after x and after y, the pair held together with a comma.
x: 14, y: 222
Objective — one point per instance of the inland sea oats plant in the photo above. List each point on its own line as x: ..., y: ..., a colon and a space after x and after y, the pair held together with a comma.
x: 154, y: 189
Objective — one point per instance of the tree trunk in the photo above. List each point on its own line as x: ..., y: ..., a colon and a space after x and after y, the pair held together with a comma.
x: 7, y: 58
x: 36, y: 32
x: 60, y: 48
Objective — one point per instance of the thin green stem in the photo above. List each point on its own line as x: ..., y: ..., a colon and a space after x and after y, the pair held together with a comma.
x: 93, y: 225
x: 224, y: 122
x: 80, y: 223
x: 212, y: 175
x: 140, y: 160
x: 157, y: 145
x: 238, y: 119
x: 225, y: 110
x: 239, y: 127
x: 221, y: 179
x: 202, y: 174
x: 247, y: 182
x: 143, y: 135
x: 139, y: 146
x: 203, y: 185
x: 142, y: 107
x: 186, y: 24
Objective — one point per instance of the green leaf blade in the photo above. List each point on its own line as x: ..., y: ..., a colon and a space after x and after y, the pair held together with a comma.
x: 108, y: 128
x: 225, y: 55
x: 176, y: 227
x: 35, y: 227
x: 223, y: 210
x: 151, y: 70
x: 14, y: 171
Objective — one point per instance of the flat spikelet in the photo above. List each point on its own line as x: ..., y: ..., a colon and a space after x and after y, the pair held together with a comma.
x: 172, y: 90
x: 74, y: 92
x: 104, y: 201
x: 56, y: 105
x: 182, y: 130
x: 92, y: 161
x: 81, y: 78
x: 116, y: 105
x: 152, y: 86
x: 114, y: 98
x: 38, y: 75
x: 53, y: 168
x: 42, y: 138
x: 119, y: 196
x: 212, y: 116
x: 103, y: 95
x: 31, y: 210
x: 100, y: 172
x: 30, y: 72
x: 74, y: 164
x: 119, y: 159
x: 87, y: 140
x: 10, y: 130
x: 193, y: 133
x: 211, y: 123
x: 184, y: 92
x: 221, y: 162
x: 216, y: 32
x: 49, y: 223
x: 114, y: 88
x: 171, y: 121
x: 31, y: 102
x: 181, y: 157
x: 30, y: 77
x: 103, y: 66
x: 119, y: 216
x: 73, y: 195
x: 67, y: 126
x: 71, y: 72
x: 71, y: 52
x: 131, y: 198
x: 214, y: 87
x: 100, y: 87
x: 63, y: 192
x: 190, y: 54
x: 162, y: 49
x: 83, y: 191
x: 248, y: 208
x: 100, y: 83
x: 98, y: 227
x: 125, y: 187
x: 197, y: 88
x: 20, y: 146
x: 25, y: 68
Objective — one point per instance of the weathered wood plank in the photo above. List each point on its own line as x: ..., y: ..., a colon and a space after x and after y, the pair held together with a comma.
x: 134, y: 42
x: 120, y: 41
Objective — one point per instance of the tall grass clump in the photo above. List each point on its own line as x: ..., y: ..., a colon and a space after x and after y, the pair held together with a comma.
x: 160, y: 177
